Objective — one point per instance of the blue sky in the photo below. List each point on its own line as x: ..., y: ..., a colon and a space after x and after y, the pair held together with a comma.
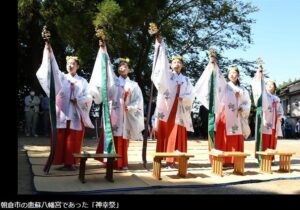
x: 276, y: 36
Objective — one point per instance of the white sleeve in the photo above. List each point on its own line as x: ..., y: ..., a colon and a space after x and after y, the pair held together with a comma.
x: 136, y: 102
x: 188, y: 93
x: 44, y: 76
x: 245, y: 104
x: 202, y: 87
x: 256, y: 88
x: 161, y: 73
x: 84, y: 102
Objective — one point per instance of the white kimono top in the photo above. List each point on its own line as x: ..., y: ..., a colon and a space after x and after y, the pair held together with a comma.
x: 65, y: 84
x: 270, y: 103
x: 225, y: 100
x: 128, y: 124
x: 166, y: 82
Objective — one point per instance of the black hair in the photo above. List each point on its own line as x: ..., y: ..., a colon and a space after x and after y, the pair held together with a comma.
x: 275, y: 86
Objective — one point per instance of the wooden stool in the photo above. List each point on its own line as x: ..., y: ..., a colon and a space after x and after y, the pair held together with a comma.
x: 239, y: 162
x: 266, y: 162
x: 285, y: 161
x: 267, y: 157
x: 109, y: 165
x: 182, y: 161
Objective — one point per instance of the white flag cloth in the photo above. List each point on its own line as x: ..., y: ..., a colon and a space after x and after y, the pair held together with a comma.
x: 202, y: 89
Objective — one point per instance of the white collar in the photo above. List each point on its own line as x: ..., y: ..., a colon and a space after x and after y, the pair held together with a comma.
x: 174, y: 72
x: 123, y: 81
x: 234, y: 87
x: 178, y: 77
x: 272, y: 96
x: 71, y: 78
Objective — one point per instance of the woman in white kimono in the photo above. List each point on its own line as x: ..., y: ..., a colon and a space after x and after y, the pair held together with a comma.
x: 229, y: 108
x: 174, y: 102
x: 125, y: 105
x: 73, y: 104
x: 268, y: 113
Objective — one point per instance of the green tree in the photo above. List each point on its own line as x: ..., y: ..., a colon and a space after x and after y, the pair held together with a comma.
x: 29, y: 41
x: 189, y: 28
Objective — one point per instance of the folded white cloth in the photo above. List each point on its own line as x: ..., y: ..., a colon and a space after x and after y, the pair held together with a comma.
x: 270, y: 150
x: 216, y: 151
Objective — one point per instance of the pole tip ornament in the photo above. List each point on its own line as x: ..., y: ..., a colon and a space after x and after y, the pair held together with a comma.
x: 46, y: 34
x: 212, y: 52
x: 153, y: 29
x: 260, y: 61
x: 100, y: 33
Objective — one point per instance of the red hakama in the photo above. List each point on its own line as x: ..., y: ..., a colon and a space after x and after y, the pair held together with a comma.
x: 170, y: 136
x: 68, y: 141
x: 121, y: 146
x: 224, y: 142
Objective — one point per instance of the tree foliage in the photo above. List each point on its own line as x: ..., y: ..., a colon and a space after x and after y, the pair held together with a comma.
x: 189, y: 28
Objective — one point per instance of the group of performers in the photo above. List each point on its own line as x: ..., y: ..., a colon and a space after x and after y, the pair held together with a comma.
x: 228, y: 104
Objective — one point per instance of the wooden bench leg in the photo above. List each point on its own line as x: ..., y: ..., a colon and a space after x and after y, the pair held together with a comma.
x: 266, y: 164
x: 217, y: 165
x: 239, y: 165
x: 157, y: 167
x: 82, y: 170
x: 109, y: 169
x: 262, y: 163
x: 289, y: 164
x: 285, y: 163
x: 281, y: 163
x: 182, y: 171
